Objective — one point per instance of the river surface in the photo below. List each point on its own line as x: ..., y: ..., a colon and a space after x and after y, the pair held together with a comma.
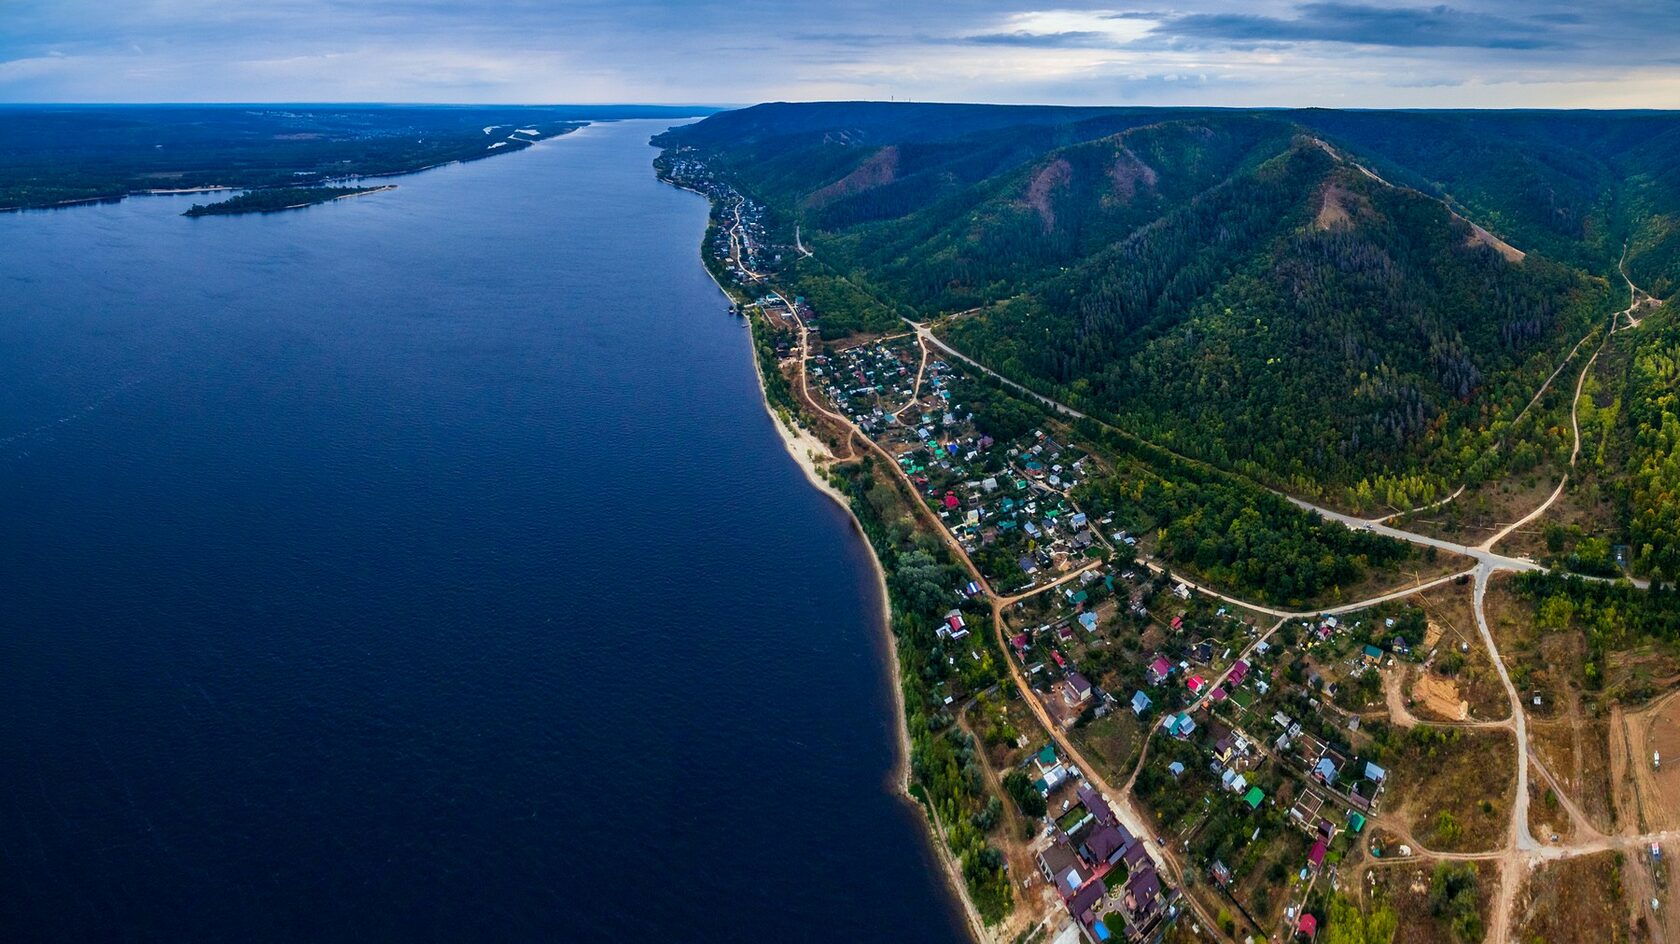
x: 424, y: 566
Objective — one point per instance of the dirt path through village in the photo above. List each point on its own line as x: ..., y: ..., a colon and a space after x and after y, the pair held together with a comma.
x: 1521, y: 852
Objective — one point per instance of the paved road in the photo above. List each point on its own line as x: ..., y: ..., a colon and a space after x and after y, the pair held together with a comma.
x: 1482, y: 555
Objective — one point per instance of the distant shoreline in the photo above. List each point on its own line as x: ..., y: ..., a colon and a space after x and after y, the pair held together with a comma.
x: 302, y: 182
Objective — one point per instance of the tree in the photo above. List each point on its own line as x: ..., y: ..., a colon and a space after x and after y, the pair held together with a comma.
x: 1025, y: 795
x: 1349, y: 925
x: 1452, y: 898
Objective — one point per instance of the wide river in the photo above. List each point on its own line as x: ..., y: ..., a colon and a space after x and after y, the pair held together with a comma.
x: 424, y: 566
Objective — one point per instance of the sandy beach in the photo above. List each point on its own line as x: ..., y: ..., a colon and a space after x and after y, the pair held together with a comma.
x: 808, y: 451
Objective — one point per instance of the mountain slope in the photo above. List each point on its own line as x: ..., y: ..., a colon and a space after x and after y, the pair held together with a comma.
x: 1301, y: 321
x: 1355, y: 301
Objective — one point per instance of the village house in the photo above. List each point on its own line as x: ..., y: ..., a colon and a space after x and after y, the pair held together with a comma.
x: 1062, y: 867
x: 1050, y: 770
x: 1140, y: 703
x: 1315, y: 856
x: 1076, y: 689
x: 1180, y: 726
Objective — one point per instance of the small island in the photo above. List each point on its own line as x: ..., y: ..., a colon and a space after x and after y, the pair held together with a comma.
x: 279, y: 198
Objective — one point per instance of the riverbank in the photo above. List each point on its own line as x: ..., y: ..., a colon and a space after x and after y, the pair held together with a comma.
x: 806, y: 448
x: 809, y: 452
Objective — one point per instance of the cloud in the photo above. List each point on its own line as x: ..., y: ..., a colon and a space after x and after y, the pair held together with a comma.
x: 1371, y: 53
x: 1357, y: 24
x: 1069, y: 39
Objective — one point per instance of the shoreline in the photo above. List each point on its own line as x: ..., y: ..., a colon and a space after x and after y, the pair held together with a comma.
x: 801, y: 445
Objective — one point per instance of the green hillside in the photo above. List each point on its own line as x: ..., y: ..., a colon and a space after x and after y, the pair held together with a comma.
x: 1344, y: 303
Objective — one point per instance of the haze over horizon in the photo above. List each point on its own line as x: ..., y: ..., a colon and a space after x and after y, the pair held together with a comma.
x: 1469, y: 53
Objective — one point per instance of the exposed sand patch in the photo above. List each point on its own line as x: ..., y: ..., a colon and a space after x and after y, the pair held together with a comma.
x: 1339, y: 206
x: 1438, y: 696
x: 878, y: 170
x: 1128, y: 172
x: 1050, y: 178
x: 1482, y: 236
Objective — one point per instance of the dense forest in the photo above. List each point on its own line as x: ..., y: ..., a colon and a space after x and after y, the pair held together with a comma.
x: 1651, y: 413
x: 1301, y: 323
x: 1573, y: 186
x: 1299, y: 296
x: 1225, y: 528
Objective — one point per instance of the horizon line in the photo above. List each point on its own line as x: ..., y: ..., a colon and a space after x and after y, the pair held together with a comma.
x: 695, y: 107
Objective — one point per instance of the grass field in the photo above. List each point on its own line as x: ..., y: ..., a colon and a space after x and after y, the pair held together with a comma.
x: 1454, y: 787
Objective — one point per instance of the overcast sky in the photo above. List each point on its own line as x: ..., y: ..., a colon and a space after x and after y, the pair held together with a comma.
x: 1470, y: 53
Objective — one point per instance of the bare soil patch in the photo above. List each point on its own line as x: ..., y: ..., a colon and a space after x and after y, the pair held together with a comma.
x: 1050, y: 178
x: 878, y: 170
x: 1128, y: 172
x: 1654, y: 731
x: 1339, y: 206
x: 1572, y: 901
x: 1578, y: 754
x: 1460, y: 656
x: 1436, y: 696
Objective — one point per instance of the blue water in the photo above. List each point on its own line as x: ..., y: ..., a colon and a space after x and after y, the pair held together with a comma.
x: 424, y: 567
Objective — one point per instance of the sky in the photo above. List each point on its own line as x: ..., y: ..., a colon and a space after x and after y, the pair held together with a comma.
x: 1469, y: 53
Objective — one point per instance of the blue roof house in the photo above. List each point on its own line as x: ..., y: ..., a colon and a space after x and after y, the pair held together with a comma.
x: 1325, y: 770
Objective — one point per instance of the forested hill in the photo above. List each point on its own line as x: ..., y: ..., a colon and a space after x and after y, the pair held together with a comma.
x: 1299, y: 320
x: 1301, y: 295
x: 1572, y: 185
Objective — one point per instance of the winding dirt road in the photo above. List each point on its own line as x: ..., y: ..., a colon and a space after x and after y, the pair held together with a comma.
x: 1521, y: 851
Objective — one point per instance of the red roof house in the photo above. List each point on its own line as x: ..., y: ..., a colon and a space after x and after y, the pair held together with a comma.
x: 1315, y: 858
